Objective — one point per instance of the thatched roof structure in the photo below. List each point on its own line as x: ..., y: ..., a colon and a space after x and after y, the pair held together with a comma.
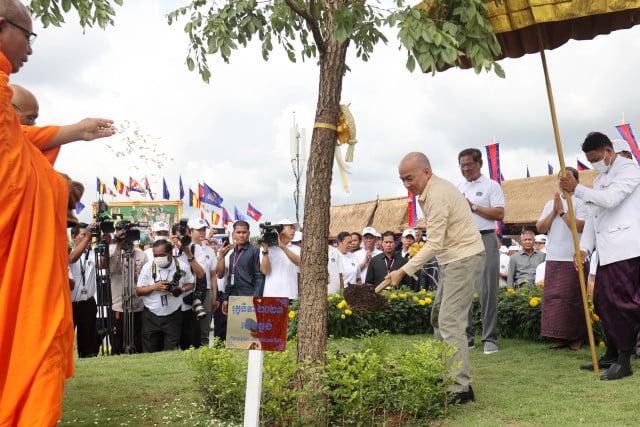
x: 525, y: 198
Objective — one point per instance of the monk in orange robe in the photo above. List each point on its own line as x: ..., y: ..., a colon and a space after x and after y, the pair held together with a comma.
x: 36, y: 326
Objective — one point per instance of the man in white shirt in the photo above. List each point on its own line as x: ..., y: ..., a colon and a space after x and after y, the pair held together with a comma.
x: 486, y: 202
x: 280, y: 264
x: 368, y: 250
x: 161, y: 318
x: 613, y: 227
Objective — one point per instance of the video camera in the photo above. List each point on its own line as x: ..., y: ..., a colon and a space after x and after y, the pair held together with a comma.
x: 270, y: 233
x: 104, y: 223
x: 132, y: 229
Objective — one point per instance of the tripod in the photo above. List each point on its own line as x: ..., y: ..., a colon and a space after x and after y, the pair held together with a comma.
x: 128, y: 295
x: 105, y: 320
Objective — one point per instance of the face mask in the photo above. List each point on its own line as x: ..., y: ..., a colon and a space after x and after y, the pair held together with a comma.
x: 600, y: 166
x: 157, y: 238
x: 162, y: 261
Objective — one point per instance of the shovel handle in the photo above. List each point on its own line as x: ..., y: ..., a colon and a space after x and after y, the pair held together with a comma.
x: 383, y: 285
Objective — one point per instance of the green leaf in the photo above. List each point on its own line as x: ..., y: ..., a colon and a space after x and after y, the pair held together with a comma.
x: 190, y: 64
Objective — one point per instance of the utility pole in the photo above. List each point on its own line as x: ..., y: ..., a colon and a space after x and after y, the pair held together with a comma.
x: 298, y: 160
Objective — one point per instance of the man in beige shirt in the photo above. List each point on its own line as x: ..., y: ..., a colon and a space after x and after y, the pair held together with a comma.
x: 453, y: 237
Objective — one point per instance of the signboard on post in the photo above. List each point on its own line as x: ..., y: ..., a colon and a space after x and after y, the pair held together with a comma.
x: 257, y: 323
x: 168, y: 211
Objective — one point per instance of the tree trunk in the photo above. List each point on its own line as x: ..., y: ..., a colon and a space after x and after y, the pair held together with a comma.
x: 312, y: 320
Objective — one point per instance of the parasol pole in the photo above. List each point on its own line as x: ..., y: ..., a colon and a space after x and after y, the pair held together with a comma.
x: 572, y: 218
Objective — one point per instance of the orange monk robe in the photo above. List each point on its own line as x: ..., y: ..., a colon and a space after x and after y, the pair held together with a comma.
x: 41, y: 137
x: 36, y: 324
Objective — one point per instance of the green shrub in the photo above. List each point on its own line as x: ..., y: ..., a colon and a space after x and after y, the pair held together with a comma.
x: 377, y: 385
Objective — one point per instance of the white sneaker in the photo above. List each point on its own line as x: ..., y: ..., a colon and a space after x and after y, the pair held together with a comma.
x: 490, y: 348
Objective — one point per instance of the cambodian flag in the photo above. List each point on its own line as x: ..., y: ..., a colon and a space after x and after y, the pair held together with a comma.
x: 253, y: 212
x: 135, y: 186
x: 493, y: 157
x: 581, y: 166
x: 226, y: 219
x: 627, y: 134
x: 148, y: 187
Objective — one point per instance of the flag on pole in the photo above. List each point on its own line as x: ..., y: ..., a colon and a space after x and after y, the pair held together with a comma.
x: 194, y: 201
x: 79, y: 207
x: 411, y: 210
x: 148, y: 187
x: 550, y: 168
x: 493, y: 157
x: 627, y: 134
x: 135, y: 186
x: 119, y: 185
x: 253, y: 212
x: 109, y: 191
x: 209, y: 196
x: 581, y: 166
x: 501, y: 177
x: 226, y: 219
x: 100, y: 187
x: 181, y: 188
x: 528, y: 174
x: 215, y: 218
x: 165, y: 190
x: 239, y: 216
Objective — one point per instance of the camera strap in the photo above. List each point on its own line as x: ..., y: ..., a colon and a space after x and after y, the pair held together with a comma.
x: 154, y: 271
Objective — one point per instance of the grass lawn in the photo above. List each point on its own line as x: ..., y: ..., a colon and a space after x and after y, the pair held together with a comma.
x: 524, y: 384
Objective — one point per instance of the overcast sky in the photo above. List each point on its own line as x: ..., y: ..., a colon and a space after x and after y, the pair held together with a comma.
x: 233, y: 133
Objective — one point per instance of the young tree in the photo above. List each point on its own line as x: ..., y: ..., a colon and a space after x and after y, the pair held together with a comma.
x: 436, y: 34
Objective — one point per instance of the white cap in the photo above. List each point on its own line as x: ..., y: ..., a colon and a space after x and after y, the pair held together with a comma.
x: 160, y: 226
x: 503, y: 249
x: 287, y: 221
x: 409, y: 232
x: 370, y: 230
x: 540, y: 238
x: 620, y: 145
x: 514, y: 248
x: 297, y: 236
x: 196, y: 223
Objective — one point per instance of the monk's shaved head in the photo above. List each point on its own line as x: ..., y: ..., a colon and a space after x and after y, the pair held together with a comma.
x: 15, y: 33
x: 14, y: 9
x: 25, y: 104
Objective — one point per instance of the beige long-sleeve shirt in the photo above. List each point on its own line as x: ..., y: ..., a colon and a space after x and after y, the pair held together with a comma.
x: 451, y: 232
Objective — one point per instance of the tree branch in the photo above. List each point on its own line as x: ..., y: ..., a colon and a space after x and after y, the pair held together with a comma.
x: 311, y: 19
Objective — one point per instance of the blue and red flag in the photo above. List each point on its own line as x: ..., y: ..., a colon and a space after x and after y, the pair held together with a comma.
x: 135, y: 186
x: 253, y: 212
x: 412, y: 217
x: 627, y: 134
x: 209, y: 196
x: 493, y: 159
x: 165, y: 190
x: 581, y: 166
x: 148, y: 187
x: 226, y: 219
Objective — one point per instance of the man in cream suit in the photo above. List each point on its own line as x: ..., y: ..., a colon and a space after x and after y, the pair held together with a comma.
x: 613, y: 227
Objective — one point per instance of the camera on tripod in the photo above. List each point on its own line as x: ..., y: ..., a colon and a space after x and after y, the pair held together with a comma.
x: 269, y: 233
x: 174, y: 285
x: 132, y: 229
x: 104, y: 223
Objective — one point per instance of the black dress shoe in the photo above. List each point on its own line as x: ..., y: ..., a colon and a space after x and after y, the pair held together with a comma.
x: 462, y: 397
x: 616, y: 371
x: 602, y: 363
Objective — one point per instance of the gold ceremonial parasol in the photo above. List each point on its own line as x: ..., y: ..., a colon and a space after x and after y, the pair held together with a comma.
x: 530, y: 26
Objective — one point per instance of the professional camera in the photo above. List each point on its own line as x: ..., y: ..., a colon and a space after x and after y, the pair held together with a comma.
x: 270, y: 233
x: 132, y: 232
x: 182, y: 232
x: 196, y: 303
x: 104, y: 223
x: 174, y: 285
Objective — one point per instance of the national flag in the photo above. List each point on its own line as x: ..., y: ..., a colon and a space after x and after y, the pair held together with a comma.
x: 493, y: 157
x: 109, y: 191
x: 119, y: 185
x: 135, y: 186
x: 528, y: 174
x: 127, y: 190
x: 411, y: 210
x: 501, y: 177
x: 627, y: 134
x: 226, y: 219
x: 581, y: 166
x: 100, y: 187
x: 239, y: 216
x: 165, y: 190
x: 181, y: 188
x: 148, y: 187
x: 550, y: 168
x: 194, y: 201
x: 202, y: 216
x: 79, y: 207
x: 209, y: 196
x: 253, y: 212
x: 215, y: 218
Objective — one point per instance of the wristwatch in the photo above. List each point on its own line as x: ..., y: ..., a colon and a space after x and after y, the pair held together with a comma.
x: 264, y: 252
x: 474, y: 207
x: 562, y: 214
x: 191, y: 259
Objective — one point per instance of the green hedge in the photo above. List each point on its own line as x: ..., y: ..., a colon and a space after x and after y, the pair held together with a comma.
x: 409, y: 313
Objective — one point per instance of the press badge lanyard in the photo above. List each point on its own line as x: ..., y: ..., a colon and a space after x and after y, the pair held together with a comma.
x: 236, y: 258
x: 389, y: 267
x: 83, y: 269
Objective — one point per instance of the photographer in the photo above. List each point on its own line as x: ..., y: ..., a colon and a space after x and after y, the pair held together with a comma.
x: 161, y: 290
x: 238, y: 266
x: 82, y: 267
x: 118, y: 272
x: 281, y: 263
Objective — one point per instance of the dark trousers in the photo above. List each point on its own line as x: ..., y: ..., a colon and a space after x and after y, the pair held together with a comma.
x: 190, y: 330
x: 205, y: 322
x: 117, y: 339
x: 160, y: 332
x: 84, y: 320
x: 219, y: 322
